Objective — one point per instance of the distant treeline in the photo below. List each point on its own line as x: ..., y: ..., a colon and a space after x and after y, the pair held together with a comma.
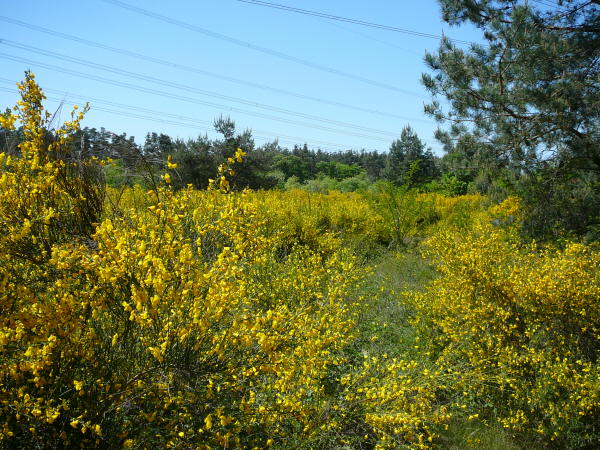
x: 267, y: 166
x: 408, y: 164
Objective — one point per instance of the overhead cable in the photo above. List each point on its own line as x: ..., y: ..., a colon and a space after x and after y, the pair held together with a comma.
x: 174, y: 119
x: 187, y: 88
x: 196, y: 70
x: 183, y: 98
x: 349, y: 20
x: 258, y: 48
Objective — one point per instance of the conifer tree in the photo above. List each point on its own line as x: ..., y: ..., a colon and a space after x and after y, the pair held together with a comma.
x: 527, y: 100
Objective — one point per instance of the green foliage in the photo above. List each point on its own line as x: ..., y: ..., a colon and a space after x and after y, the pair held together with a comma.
x: 195, y: 163
x: 559, y: 206
x: 324, y: 184
x: 157, y: 147
x: 526, y: 102
x: 116, y: 175
x: 292, y: 166
x: 408, y: 162
x: 404, y: 210
x: 448, y: 185
x: 336, y: 170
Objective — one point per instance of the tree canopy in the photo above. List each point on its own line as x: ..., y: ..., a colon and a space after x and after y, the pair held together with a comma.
x: 528, y: 98
x: 409, y: 162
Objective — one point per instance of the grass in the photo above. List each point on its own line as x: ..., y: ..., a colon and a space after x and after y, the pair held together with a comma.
x: 464, y: 434
x: 385, y: 322
x: 388, y: 320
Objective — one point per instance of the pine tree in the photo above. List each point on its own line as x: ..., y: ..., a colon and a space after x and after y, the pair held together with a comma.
x: 409, y: 162
x: 528, y: 100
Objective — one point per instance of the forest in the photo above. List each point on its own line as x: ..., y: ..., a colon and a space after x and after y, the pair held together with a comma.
x: 213, y: 293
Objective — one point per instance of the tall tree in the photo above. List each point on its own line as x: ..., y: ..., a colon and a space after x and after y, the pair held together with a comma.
x: 253, y: 172
x: 195, y: 162
x: 409, y: 162
x: 528, y: 99
x: 157, y: 147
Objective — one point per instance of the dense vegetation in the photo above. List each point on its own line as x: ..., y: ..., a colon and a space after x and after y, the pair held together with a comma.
x: 347, y: 300
x: 524, y: 107
x: 144, y: 317
x: 265, y: 167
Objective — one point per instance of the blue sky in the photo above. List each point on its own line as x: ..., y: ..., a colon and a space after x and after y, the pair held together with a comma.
x: 373, y: 92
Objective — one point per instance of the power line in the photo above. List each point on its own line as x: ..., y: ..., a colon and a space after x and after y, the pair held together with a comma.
x: 372, y: 38
x: 190, y: 69
x: 294, y: 140
x: 179, y: 120
x: 348, y: 20
x: 192, y: 120
x: 258, y: 48
x: 185, y: 124
x: 187, y: 88
x: 182, y: 98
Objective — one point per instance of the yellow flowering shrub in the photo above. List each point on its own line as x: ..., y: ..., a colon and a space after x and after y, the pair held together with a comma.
x: 409, y: 216
x: 305, y: 218
x: 41, y: 203
x: 518, y: 325
x: 394, y: 403
x: 177, y: 322
x: 218, y: 319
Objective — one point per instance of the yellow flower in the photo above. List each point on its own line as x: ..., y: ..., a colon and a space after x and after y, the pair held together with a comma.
x: 239, y: 155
